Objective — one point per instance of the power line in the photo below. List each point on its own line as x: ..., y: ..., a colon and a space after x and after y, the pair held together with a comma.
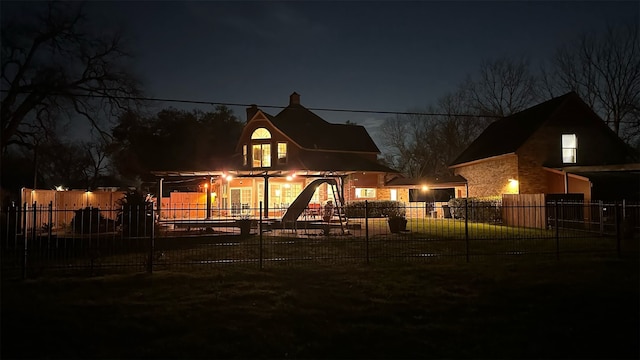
x: 215, y: 103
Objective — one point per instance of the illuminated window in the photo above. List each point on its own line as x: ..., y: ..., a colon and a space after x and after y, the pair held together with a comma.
x: 261, y: 155
x: 365, y: 193
x: 261, y: 150
x: 569, y: 148
x: 260, y: 133
x: 282, y: 153
x: 244, y: 155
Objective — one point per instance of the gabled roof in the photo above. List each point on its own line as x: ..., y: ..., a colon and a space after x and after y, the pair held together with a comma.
x: 314, y: 133
x: 506, y: 135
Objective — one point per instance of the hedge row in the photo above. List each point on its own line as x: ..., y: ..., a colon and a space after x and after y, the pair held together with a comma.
x: 480, y: 209
x: 377, y: 209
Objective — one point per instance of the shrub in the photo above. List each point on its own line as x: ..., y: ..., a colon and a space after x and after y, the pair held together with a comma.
x: 89, y: 220
x: 480, y: 209
x: 377, y: 209
x: 135, y: 214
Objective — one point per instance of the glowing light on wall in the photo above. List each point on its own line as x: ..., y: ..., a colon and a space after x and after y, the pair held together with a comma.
x: 513, y: 186
x: 425, y: 188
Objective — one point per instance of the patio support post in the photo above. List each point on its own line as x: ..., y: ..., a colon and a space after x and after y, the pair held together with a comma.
x: 266, y: 196
x: 209, y: 198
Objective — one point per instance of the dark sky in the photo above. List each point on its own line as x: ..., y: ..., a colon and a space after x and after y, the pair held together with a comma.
x: 391, y: 56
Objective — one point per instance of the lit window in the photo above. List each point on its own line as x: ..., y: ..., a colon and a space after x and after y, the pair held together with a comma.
x: 244, y: 155
x: 260, y: 133
x: 261, y: 155
x: 282, y: 153
x: 569, y: 148
x: 365, y: 193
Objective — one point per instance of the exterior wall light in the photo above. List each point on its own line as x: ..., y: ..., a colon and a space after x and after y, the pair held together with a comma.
x: 425, y: 188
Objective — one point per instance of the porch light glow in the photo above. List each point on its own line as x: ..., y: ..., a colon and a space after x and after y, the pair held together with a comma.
x: 289, y: 178
x: 228, y: 177
x: 513, y: 183
x: 425, y: 188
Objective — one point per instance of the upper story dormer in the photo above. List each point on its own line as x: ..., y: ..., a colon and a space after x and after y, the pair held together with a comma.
x: 298, y: 139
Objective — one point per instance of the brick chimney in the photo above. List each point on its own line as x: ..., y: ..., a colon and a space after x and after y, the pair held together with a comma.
x: 251, y: 111
x: 294, y: 99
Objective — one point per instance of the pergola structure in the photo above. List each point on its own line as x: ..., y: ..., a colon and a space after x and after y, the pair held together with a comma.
x: 222, y: 175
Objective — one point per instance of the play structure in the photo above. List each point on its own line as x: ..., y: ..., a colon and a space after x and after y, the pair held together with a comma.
x: 291, y: 218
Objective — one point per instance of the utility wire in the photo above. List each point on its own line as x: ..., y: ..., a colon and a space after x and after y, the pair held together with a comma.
x: 214, y: 103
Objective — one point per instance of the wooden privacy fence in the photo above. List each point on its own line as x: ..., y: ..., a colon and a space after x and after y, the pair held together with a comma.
x: 524, y: 210
x: 179, y: 205
x: 64, y: 203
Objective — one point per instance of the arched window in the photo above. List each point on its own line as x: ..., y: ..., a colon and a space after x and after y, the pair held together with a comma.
x: 260, y: 149
x: 260, y: 134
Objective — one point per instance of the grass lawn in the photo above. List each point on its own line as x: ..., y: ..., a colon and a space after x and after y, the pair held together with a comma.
x: 582, y: 307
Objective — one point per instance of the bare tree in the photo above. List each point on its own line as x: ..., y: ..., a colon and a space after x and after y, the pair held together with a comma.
x: 406, y: 138
x: 55, y: 65
x: 604, y: 69
x: 502, y: 87
x: 424, y: 145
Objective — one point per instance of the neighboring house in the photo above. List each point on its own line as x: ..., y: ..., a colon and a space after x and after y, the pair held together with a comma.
x: 278, y: 156
x: 557, y: 147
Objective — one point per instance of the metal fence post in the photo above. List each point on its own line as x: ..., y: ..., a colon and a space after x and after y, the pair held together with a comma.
x: 466, y: 225
x: 49, y: 229
x: 26, y: 239
x: 260, y: 241
x: 618, y: 213
x: 366, y: 228
x: 151, y: 237
x: 555, y: 203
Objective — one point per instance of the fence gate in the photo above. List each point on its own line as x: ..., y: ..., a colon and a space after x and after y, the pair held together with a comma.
x: 524, y: 210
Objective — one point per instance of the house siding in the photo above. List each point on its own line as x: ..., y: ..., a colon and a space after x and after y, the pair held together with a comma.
x: 531, y: 156
x: 490, y: 177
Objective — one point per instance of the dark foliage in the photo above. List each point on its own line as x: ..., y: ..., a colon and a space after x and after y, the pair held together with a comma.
x: 377, y: 209
x: 89, y: 220
x: 485, y: 209
x: 136, y: 214
x: 174, y: 139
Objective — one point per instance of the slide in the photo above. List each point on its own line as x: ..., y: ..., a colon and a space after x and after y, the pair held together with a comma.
x: 302, y: 201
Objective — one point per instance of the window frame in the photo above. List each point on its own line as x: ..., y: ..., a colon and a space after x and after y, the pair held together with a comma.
x: 365, y: 193
x: 569, y: 146
x: 283, y: 159
x: 262, y: 161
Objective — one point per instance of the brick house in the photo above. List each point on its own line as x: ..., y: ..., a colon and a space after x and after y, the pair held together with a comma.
x: 557, y: 147
x: 277, y: 156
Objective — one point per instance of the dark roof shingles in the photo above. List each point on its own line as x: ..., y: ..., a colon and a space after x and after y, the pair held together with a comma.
x: 312, y: 132
x: 506, y: 135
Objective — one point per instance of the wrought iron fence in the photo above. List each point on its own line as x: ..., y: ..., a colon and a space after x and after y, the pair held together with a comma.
x: 38, y: 239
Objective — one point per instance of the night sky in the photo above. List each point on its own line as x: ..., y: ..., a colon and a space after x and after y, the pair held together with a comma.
x: 390, y: 56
